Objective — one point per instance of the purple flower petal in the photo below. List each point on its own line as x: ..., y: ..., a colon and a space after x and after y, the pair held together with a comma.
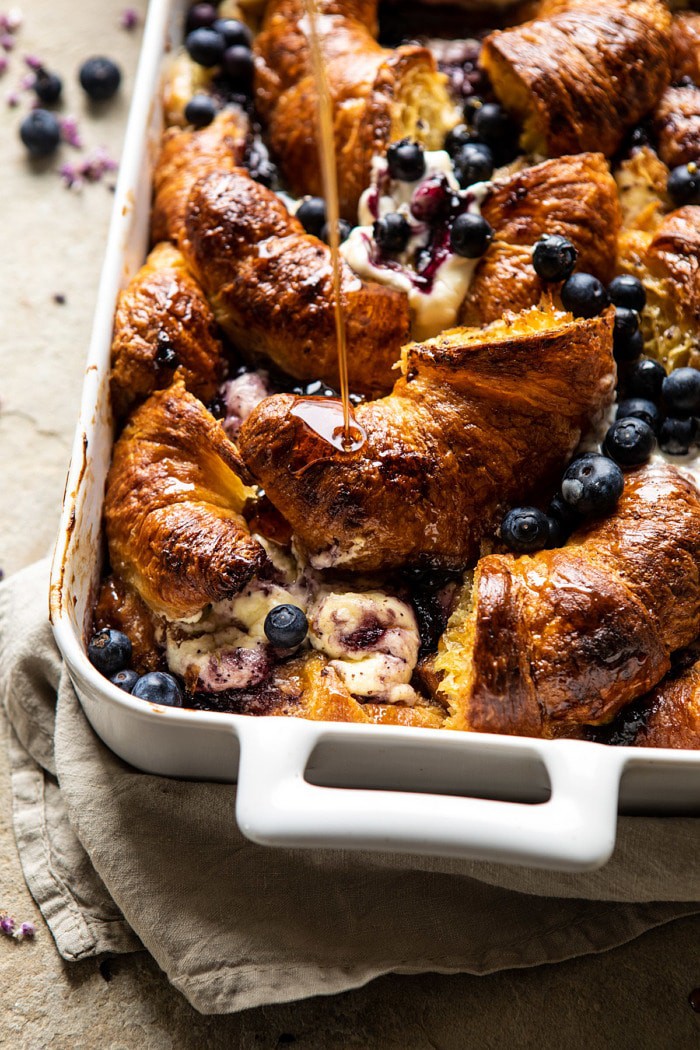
x: 129, y: 19
x: 7, y: 41
x: 33, y: 62
x: 27, y: 929
x: 69, y: 132
x: 7, y: 924
x: 3, y: 64
x: 12, y: 99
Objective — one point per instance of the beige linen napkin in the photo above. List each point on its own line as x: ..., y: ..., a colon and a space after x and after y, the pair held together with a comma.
x: 116, y: 858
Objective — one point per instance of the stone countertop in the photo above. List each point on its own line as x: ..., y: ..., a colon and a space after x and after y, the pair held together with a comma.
x: 53, y: 241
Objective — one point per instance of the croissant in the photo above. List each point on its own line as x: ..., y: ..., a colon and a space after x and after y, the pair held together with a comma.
x: 270, y: 287
x: 670, y: 715
x: 685, y: 40
x: 573, y: 196
x: 186, y: 156
x: 480, y: 419
x: 677, y: 125
x: 541, y: 645
x: 378, y: 95
x: 577, y: 80
x: 163, y: 322
x: 173, y: 507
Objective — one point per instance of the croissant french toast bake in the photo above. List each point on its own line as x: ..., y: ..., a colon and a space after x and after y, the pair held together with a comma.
x: 428, y: 458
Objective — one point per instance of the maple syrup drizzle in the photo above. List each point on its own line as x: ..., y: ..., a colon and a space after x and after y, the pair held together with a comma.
x: 347, y: 435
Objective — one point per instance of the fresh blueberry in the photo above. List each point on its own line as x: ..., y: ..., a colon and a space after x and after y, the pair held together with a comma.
x: 625, y: 346
x: 239, y: 66
x: 391, y: 233
x: 457, y: 137
x: 40, y: 132
x: 344, y: 229
x: 684, y: 185
x: 628, y: 291
x: 234, y: 33
x: 100, y: 78
x: 470, y: 235
x: 583, y: 295
x: 311, y: 213
x: 47, y: 86
x: 406, y: 161
x: 109, y: 651
x: 681, y: 391
x: 286, y: 626
x: 205, y: 47
x: 473, y: 163
x: 525, y: 529
x: 431, y: 200
x: 625, y: 350
x: 554, y: 258
x: 592, y: 484
x: 629, y: 442
x: 498, y: 130
x: 158, y: 687
x: 200, y: 16
x: 200, y: 111
x: 471, y: 107
x: 677, y: 435
x: 125, y: 680
x: 644, y: 379
x: 639, y: 408
x: 562, y: 520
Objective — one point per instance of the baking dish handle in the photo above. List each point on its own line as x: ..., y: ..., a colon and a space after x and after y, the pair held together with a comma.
x: 573, y: 831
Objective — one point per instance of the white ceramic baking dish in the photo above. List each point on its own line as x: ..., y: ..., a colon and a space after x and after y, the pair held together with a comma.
x: 520, y: 801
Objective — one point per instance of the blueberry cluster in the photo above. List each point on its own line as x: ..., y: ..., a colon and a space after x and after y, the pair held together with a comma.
x: 109, y: 651
x: 224, y: 44
x: 488, y: 138
x: 656, y: 407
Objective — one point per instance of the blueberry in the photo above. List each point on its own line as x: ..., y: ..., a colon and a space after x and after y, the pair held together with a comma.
x: 473, y: 163
x: 432, y: 199
x: 525, y: 529
x: 629, y: 349
x: 40, y: 132
x: 628, y: 291
x: 406, y: 161
x: 100, y: 78
x: 457, y: 137
x: 644, y: 379
x: 639, y: 408
x: 205, y: 47
x: 239, y: 66
x: 344, y: 229
x: 311, y: 213
x: 554, y: 258
x: 677, y: 435
x: 471, y: 107
x: 200, y: 111
x: 200, y: 16
x: 234, y: 33
x: 109, y: 651
x: 158, y: 687
x: 562, y: 520
x: 392, y: 233
x: 47, y: 86
x: 470, y: 235
x: 592, y: 484
x: 681, y: 391
x: 629, y: 442
x: 286, y: 626
x: 627, y: 340
x: 493, y: 124
x: 684, y: 185
x: 583, y: 295
x: 125, y: 680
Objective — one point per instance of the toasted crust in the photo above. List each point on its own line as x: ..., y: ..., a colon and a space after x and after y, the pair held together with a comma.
x: 568, y: 637
x: 573, y: 196
x: 163, y: 322
x: 480, y: 419
x: 187, y: 155
x: 270, y: 286
x: 173, y: 507
x: 378, y: 94
x: 685, y: 51
x: 677, y: 125
x: 671, y: 714
x: 580, y: 78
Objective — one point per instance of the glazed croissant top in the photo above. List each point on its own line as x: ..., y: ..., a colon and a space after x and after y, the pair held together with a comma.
x: 546, y: 643
x: 479, y: 420
x: 378, y: 95
x: 670, y: 715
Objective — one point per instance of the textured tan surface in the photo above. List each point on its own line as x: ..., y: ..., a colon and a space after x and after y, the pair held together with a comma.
x: 634, y: 997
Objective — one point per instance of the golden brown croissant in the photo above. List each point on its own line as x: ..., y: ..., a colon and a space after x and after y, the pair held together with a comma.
x: 544, y: 644
x: 378, y: 95
x: 670, y: 715
x: 173, y: 507
x: 163, y: 322
x: 480, y: 419
x: 186, y: 156
x: 677, y: 125
x: 270, y: 286
x: 573, y: 196
x: 685, y: 50
x: 577, y: 80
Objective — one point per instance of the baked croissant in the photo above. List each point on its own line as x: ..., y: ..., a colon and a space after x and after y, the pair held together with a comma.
x: 577, y: 80
x: 670, y: 715
x: 685, y: 45
x: 574, y: 196
x: 163, y: 322
x: 186, y: 156
x: 270, y: 287
x: 173, y: 507
x: 677, y: 125
x: 542, y: 645
x: 480, y: 419
x: 378, y: 95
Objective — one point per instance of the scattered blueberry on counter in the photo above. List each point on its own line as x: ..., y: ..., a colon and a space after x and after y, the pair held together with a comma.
x: 286, y: 626
x: 100, y: 78
x: 41, y: 133
x: 47, y: 86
